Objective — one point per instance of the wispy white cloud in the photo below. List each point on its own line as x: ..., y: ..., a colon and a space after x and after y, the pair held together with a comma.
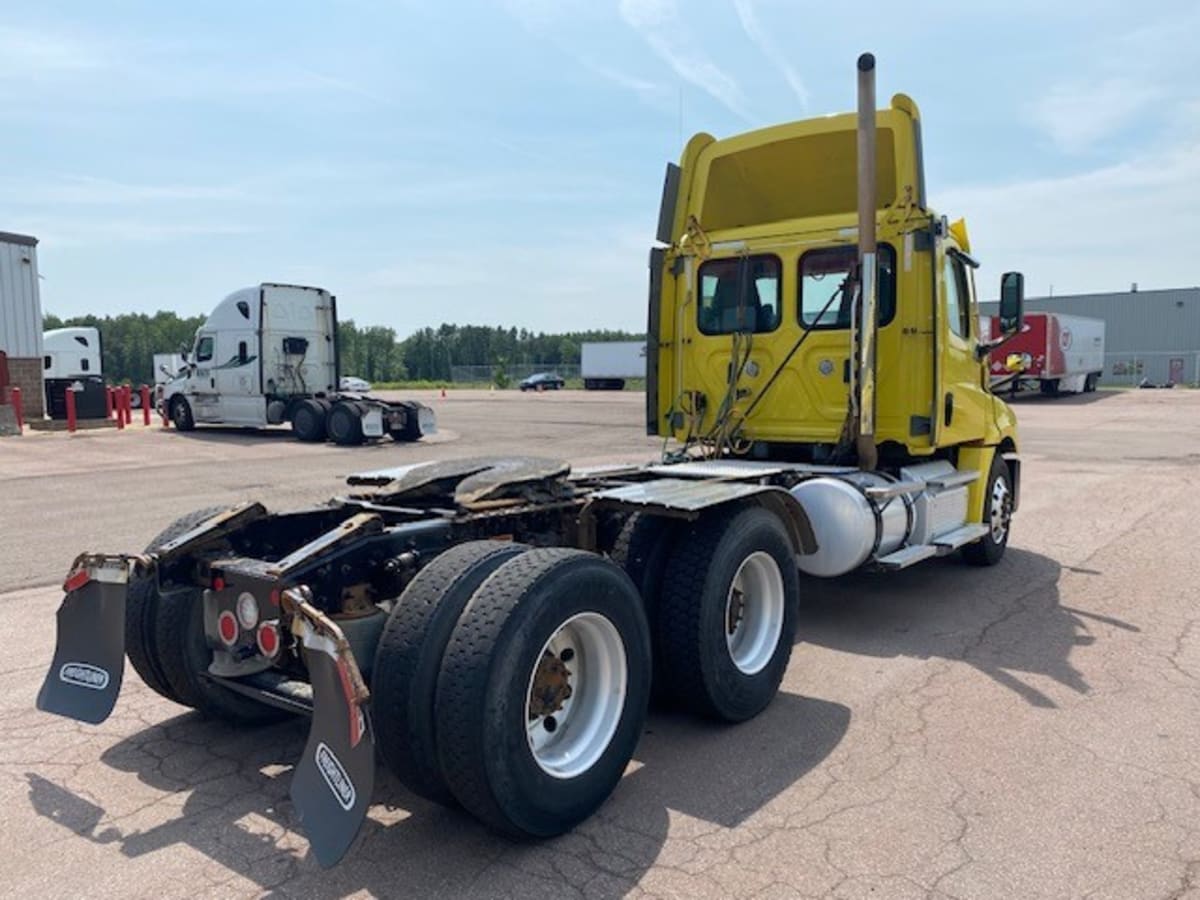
x: 1097, y: 230
x: 755, y: 30
x: 84, y: 190
x: 66, y: 232
x: 1078, y: 114
x: 653, y: 92
x: 667, y: 33
x: 28, y: 53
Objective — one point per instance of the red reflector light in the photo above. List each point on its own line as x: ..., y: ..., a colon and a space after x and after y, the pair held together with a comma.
x: 227, y: 627
x: 76, y: 580
x: 268, y: 639
x: 218, y: 583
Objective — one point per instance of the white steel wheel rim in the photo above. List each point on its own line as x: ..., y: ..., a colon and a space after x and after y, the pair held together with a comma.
x: 569, y: 740
x: 754, y: 613
x: 1000, y: 510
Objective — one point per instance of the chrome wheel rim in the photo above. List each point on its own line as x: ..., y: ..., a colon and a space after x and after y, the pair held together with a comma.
x: 754, y: 613
x: 1000, y: 510
x: 576, y: 695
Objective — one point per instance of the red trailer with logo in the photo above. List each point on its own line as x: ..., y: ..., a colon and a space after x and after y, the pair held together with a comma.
x: 1058, y: 354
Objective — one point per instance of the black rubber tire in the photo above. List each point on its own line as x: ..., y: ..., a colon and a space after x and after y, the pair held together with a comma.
x: 412, y: 426
x: 141, y: 610
x: 308, y: 421
x: 987, y: 551
x: 409, y: 657
x: 181, y: 414
x: 642, y: 549
x: 698, y: 672
x: 482, y: 690
x: 1050, y: 387
x: 344, y: 424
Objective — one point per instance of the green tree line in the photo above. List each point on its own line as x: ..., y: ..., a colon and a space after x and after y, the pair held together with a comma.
x: 373, y: 352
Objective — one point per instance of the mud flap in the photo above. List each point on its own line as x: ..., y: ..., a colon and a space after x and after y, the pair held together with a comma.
x: 89, y: 657
x: 335, y: 776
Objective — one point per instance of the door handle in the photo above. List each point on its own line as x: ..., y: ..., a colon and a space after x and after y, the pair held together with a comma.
x: 212, y: 382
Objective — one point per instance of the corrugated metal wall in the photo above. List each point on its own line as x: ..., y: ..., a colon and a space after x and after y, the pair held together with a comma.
x: 1147, y: 333
x: 20, y: 298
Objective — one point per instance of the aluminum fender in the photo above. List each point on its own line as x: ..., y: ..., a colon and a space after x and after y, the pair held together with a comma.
x: 687, y: 499
x: 89, y: 655
x: 788, y: 508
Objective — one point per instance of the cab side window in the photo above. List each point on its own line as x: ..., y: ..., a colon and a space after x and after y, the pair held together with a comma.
x: 204, y: 349
x: 958, y: 297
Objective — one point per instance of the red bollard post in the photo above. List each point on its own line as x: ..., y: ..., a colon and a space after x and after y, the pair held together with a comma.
x: 18, y: 409
x: 119, y: 406
x: 70, y: 398
x: 128, y: 405
x: 145, y: 405
x: 108, y: 402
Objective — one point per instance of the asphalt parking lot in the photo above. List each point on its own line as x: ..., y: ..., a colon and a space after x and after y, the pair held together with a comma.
x: 1019, y: 732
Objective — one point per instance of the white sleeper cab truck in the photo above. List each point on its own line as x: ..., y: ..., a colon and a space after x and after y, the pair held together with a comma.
x: 71, y: 352
x: 268, y: 355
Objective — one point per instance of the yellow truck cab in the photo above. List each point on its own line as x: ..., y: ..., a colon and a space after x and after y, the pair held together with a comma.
x: 758, y: 345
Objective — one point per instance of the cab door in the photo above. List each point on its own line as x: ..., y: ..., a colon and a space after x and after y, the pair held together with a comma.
x: 236, y: 378
x: 964, y: 399
x: 203, y: 380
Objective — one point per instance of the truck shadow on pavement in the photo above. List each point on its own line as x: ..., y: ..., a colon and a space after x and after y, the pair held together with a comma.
x: 1034, y: 397
x: 227, y: 797
x: 1009, y: 625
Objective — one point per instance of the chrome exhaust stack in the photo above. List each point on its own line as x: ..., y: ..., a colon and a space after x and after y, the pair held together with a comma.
x: 866, y: 322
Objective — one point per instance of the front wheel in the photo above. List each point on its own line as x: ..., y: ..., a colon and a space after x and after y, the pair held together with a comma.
x: 727, y: 617
x: 181, y: 414
x: 997, y: 515
x: 543, y: 691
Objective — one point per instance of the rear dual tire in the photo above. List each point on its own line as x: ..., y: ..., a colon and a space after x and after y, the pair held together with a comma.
x: 514, y: 682
x: 727, y: 615
x: 308, y: 421
x: 344, y: 424
x: 519, y: 751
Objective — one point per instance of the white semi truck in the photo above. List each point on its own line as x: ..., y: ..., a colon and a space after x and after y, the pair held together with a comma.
x: 268, y: 355
x: 605, y: 365
x: 71, y: 352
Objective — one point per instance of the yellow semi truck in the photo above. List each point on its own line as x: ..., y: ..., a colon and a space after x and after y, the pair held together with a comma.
x: 491, y: 628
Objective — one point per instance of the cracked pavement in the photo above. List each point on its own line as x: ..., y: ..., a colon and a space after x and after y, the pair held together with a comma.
x: 943, y: 732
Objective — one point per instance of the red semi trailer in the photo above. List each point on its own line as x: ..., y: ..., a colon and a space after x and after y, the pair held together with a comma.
x: 1058, y: 353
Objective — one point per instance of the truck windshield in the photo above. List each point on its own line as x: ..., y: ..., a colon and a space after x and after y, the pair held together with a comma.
x: 719, y: 312
x: 822, y: 273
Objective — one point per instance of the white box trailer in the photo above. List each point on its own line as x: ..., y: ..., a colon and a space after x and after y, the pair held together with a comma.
x: 1060, y: 353
x: 605, y: 365
x: 268, y: 355
x: 167, y: 366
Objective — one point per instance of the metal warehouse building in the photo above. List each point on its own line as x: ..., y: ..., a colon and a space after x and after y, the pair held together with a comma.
x: 1149, y: 334
x: 21, y: 318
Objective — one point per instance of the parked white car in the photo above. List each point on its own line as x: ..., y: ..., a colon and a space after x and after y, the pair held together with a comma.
x: 351, y: 383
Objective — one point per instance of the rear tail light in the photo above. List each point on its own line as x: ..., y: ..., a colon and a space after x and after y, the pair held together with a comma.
x: 227, y: 628
x: 268, y: 639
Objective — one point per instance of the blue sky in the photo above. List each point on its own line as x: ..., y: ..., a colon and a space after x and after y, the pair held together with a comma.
x: 500, y: 163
